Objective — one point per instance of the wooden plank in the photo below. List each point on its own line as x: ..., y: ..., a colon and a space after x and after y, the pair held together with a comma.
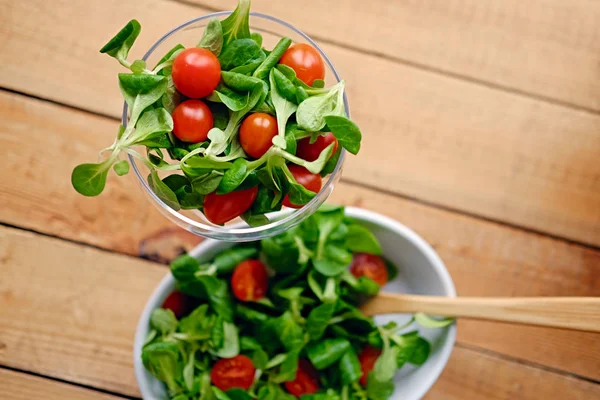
x: 20, y: 386
x: 429, y: 136
x: 494, y: 379
x: 39, y: 195
x: 484, y: 258
x: 547, y: 48
x: 98, y: 296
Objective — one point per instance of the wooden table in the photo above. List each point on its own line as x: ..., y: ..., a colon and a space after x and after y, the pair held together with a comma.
x: 482, y: 133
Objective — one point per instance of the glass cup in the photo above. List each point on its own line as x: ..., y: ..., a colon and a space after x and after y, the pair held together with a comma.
x: 272, y: 29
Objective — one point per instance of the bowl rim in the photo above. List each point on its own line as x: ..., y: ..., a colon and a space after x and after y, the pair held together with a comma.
x: 241, y: 232
x: 168, y: 282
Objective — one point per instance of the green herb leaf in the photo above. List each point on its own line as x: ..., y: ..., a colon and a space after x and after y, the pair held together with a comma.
x: 212, y: 39
x: 283, y: 109
x: 208, y: 183
x: 152, y: 123
x: 379, y: 390
x: 285, y: 87
x: 217, y: 333
x: 260, y: 359
x: 118, y: 47
x: 385, y: 366
x: 289, y: 332
x: 361, y: 240
x: 312, y: 111
x: 233, y: 177
x: 231, y: 344
x: 230, y: 258
x: 163, y: 321
x: 90, y: 179
x: 326, y: 352
x: 163, y: 191
x: 236, y: 26
x: 233, y: 100
x: 350, y: 370
x: 263, y: 70
x: 429, y: 322
x: 346, y: 132
x: 162, y: 360
x: 141, y: 91
x: 241, y: 52
x: 288, y: 369
x: 318, y: 320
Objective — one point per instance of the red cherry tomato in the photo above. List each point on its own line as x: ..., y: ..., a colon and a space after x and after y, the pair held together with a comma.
x: 370, y: 266
x: 250, y: 280
x: 220, y: 208
x: 306, y: 382
x: 179, y: 303
x: 307, y: 179
x: 196, y: 72
x: 367, y: 358
x: 306, y: 61
x: 310, y: 152
x: 236, y: 372
x: 256, y: 134
x: 192, y: 120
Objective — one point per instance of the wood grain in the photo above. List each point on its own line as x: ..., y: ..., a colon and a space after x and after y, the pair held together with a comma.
x: 485, y: 259
x: 548, y: 48
x: 447, y: 141
x: 575, y: 313
x: 98, y: 296
x: 39, y: 194
x: 20, y: 386
x: 492, y: 379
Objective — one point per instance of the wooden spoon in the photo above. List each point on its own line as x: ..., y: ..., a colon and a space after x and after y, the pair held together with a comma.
x: 576, y: 313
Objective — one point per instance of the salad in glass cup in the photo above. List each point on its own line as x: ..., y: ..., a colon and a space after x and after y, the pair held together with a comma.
x: 228, y: 123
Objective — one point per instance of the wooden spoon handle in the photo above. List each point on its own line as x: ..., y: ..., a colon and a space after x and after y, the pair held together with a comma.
x: 577, y: 313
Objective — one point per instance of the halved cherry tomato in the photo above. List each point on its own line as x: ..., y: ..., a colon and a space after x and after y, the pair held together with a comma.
x: 307, y: 179
x: 311, y: 151
x: 250, y: 280
x: 196, y: 72
x: 371, y: 266
x: 306, y: 382
x: 367, y: 358
x: 192, y: 120
x: 306, y: 61
x: 256, y: 134
x: 220, y: 208
x: 236, y: 372
x: 179, y: 303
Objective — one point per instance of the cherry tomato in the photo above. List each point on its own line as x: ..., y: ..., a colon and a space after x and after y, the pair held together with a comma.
x: 192, y: 120
x: 367, y: 358
x: 307, y: 179
x: 310, y: 152
x: 306, y: 382
x: 220, y: 208
x: 179, y: 303
x: 256, y: 134
x: 250, y: 280
x: 306, y: 61
x: 370, y: 266
x: 196, y: 72
x: 236, y: 372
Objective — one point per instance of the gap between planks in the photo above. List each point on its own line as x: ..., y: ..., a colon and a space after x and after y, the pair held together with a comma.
x: 63, y: 386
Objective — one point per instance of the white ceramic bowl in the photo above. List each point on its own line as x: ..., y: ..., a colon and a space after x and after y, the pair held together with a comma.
x: 421, y: 271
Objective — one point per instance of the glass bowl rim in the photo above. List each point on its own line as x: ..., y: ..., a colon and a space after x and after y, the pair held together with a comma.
x: 215, y: 231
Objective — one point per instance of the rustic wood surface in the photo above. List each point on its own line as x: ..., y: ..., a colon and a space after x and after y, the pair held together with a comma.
x: 490, y: 116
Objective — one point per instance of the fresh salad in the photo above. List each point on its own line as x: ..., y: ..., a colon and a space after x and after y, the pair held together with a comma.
x: 229, y: 127
x: 280, y: 319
